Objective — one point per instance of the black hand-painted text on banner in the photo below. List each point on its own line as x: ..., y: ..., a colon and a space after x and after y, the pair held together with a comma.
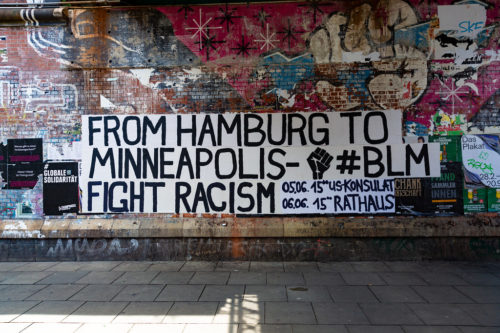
x: 243, y: 129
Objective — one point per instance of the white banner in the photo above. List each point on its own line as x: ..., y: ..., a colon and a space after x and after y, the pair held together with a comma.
x: 236, y: 163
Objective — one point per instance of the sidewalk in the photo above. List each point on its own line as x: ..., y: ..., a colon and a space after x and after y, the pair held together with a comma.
x: 232, y: 297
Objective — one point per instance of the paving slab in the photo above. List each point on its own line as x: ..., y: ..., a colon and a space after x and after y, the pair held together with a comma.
x: 300, y: 266
x: 289, y: 313
x: 136, y: 277
x: 26, y: 278
x: 443, y: 279
x: 339, y: 313
x: 108, y: 328
x: 49, y: 312
x: 99, y: 277
x: 247, y: 278
x: 485, y: 314
x: 323, y: 278
x: 285, y: 278
x: 210, y: 328
x: 144, y: 312
x: 10, y: 310
x: 198, y: 266
x: 141, y: 292
x: 181, y: 292
x: 167, y: 266
x: 191, y: 312
x: 442, y: 294
x: 481, y: 294
x: 9, y: 266
x: 477, y: 329
x: 65, y: 266
x: 222, y: 293
x: 157, y: 328
x: 98, y: 266
x: 240, y: 311
x: 319, y: 329
x: 56, y: 292
x: 351, y: 294
x: 133, y: 266
x: 266, y: 266
x: 367, y: 279
x: 34, y: 267
x: 51, y: 327
x: 374, y: 329
x: 370, y: 266
x: 265, y: 293
x: 431, y: 329
x: 402, y: 279
x: 390, y: 314
x: 18, y: 292
x: 264, y: 328
x: 396, y: 294
x: 339, y: 267
x: 97, y: 292
x: 209, y: 278
x: 172, y: 278
x: 481, y: 279
x: 13, y: 327
x: 308, y: 294
x: 442, y: 314
x: 63, y: 277
x: 96, y: 312
x: 405, y: 266
x: 233, y: 266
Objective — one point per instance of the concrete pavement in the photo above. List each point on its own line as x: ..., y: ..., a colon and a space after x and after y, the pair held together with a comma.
x: 201, y: 296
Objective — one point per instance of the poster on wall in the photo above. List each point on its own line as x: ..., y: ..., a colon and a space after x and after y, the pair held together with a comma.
x: 60, y: 188
x: 245, y: 163
x: 23, y: 176
x: 481, y: 160
x: 25, y: 150
x: 431, y: 196
x: 24, y: 163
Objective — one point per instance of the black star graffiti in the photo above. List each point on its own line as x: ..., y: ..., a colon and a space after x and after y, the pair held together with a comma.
x: 243, y: 47
x: 208, y: 42
x: 227, y: 16
x: 315, y: 7
x: 262, y: 16
x: 186, y: 9
x: 289, y: 33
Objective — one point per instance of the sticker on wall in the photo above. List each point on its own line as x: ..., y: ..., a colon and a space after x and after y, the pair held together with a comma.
x: 60, y: 188
x: 481, y: 159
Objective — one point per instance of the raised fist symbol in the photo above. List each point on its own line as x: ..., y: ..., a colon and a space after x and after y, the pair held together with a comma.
x: 319, y: 161
x: 384, y: 68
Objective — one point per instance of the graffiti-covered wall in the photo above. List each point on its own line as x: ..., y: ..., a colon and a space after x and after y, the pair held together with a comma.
x: 329, y: 107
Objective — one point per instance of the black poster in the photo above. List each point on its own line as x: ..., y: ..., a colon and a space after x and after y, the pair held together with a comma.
x: 447, y: 190
x: 60, y: 188
x: 3, y: 154
x: 23, y: 176
x: 3, y: 175
x: 431, y: 196
x: 25, y: 150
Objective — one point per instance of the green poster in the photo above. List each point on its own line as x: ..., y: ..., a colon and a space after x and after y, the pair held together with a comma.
x: 493, y: 199
x: 475, y: 200
x: 450, y: 148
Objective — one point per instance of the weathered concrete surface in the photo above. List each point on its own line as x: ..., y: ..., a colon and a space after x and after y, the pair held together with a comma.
x: 485, y: 225
x: 269, y: 248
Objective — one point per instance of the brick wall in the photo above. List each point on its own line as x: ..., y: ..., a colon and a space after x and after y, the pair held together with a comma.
x: 293, y: 56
